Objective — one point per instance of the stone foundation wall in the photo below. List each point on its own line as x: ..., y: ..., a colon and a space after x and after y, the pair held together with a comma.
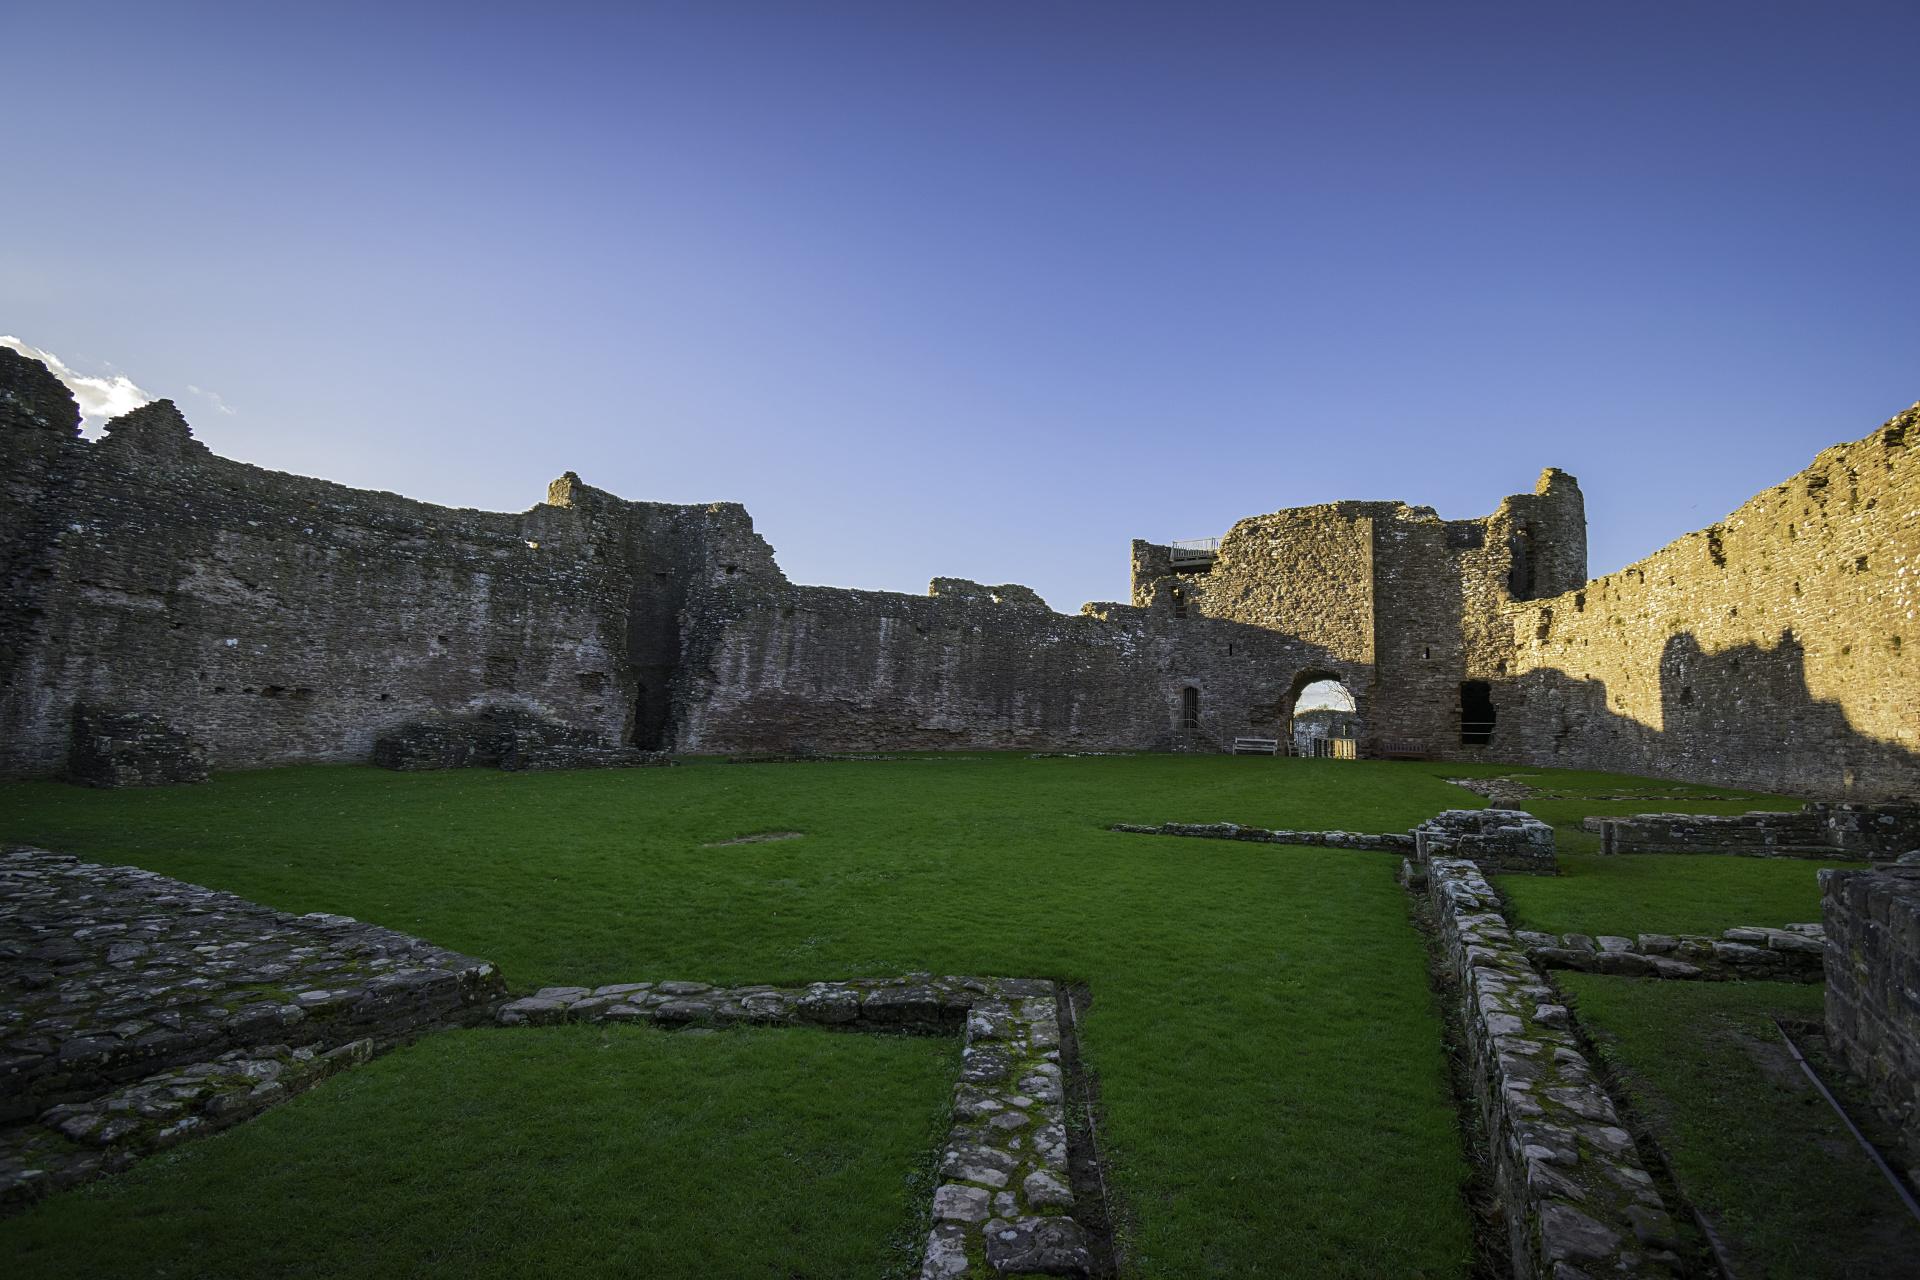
x: 1578, y: 1201
x: 1793, y: 954
x: 109, y: 977
x: 1385, y: 843
x: 1873, y: 987
x: 1495, y: 839
x: 1005, y: 1199
x: 1878, y: 832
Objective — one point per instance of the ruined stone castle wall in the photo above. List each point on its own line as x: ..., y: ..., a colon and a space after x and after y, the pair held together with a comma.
x: 1411, y: 603
x: 785, y: 667
x: 1773, y: 649
x: 276, y: 618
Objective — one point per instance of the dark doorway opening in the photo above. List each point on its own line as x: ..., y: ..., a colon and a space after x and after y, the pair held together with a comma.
x: 649, y: 718
x: 1189, y: 708
x: 1476, y: 713
x: 1520, y: 574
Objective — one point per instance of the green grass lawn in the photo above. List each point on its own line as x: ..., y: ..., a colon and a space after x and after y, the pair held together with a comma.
x: 1653, y: 893
x: 1665, y: 893
x: 1751, y: 1143
x: 1268, y: 1053
x: 555, y: 1152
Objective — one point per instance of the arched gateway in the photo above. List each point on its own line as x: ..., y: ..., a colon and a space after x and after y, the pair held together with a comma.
x: 1322, y: 717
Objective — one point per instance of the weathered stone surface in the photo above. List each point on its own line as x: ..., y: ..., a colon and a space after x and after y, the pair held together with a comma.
x: 114, y: 973
x: 1389, y: 842
x: 504, y: 738
x: 137, y: 1010
x: 276, y: 618
x: 1496, y: 839
x: 1037, y: 1247
x: 1573, y: 1201
x: 946, y: 1255
x: 1872, y: 923
x: 956, y: 1203
x: 1878, y: 832
x: 1792, y: 954
x: 128, y: 749
x: 157, y: 1112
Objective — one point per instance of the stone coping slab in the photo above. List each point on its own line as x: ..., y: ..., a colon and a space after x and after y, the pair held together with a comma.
x: 1578, y: 1201
x: 1005, y: 1199
x: 1388, y: 842
x: 1793, y: 954
x: 110, y: 973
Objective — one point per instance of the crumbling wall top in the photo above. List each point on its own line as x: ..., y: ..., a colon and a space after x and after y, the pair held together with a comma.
x: 30, y: 396
x: 1007, y: 593
x: 158, y: 432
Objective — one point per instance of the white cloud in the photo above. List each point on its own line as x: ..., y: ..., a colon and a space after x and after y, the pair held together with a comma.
x: 212, y: 397
x: 99, y: 398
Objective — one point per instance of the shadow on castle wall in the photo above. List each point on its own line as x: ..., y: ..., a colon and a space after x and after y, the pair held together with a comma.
x: 1743, y: 716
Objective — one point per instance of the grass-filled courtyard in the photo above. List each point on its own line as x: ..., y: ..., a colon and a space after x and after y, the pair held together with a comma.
x: 1751, y: 1143
x: 571, y: 1150
x: 1268, y: 1053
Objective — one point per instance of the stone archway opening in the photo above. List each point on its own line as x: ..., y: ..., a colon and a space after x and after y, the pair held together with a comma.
x: 1323, y: 718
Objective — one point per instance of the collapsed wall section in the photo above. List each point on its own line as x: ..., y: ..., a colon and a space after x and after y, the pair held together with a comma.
x: 1774, y: 649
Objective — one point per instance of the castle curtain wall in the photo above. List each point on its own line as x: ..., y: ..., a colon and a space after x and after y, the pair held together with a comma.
x: 968, y: 666
x: 277, y: 618
x: 1775, y: 649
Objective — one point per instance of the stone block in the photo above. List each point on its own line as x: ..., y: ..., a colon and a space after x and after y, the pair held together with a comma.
x: 131, y: 749
x: 1872, y: 921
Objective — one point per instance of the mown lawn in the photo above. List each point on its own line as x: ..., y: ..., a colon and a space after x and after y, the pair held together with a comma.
x: 569, y: 1151
x: 1652, y: 893
x: 1666, y: 893
x: 1268, y: 1053
x: 1752, y: 1145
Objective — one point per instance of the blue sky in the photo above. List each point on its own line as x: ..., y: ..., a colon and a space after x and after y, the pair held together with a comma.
x: 981, y: 289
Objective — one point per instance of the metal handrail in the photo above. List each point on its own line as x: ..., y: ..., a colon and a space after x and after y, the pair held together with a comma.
x: 1192, y: 550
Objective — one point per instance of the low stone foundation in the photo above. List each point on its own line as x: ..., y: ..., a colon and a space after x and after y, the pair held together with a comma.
x: 1006, y: 1194
x: 1875, y: 832
x: 1261, y: 835
x: 1792, y: 954
x: 1495, y: 839
x: 1873, y: 987
x: 503, y: 738
x: 113, y: 1131
x: 131, y: 749
x: 138, y: 1011
x: 119, y: 983
x: 1578, y: 1201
